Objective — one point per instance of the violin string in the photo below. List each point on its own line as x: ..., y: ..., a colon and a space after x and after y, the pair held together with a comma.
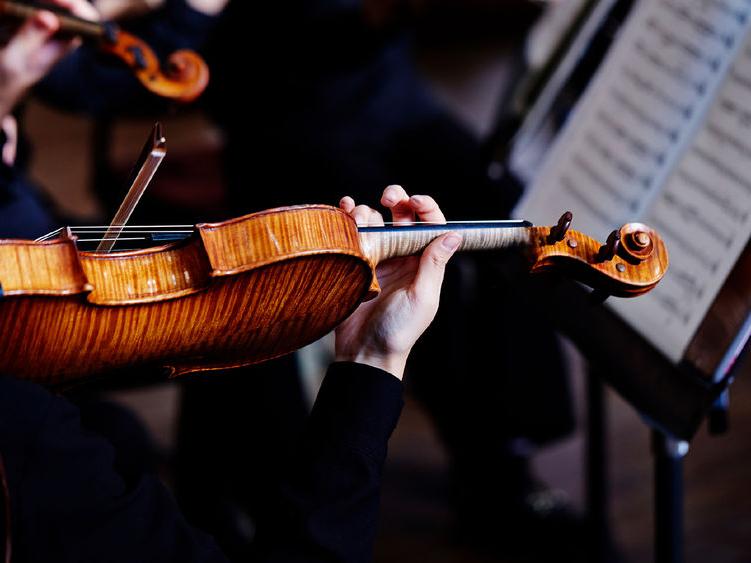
x: 500, y: 221
x: 126, y: 227
x: 134, y: 227
x: 419, y: 223
x: 139, y: 231
x: 111, y: 238
x: 49, y: 235
x: 187, y: 229
x: 165, y: 228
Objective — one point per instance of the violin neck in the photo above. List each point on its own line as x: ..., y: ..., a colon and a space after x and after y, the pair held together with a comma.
x: 382, y: 243
x: 69, y: 23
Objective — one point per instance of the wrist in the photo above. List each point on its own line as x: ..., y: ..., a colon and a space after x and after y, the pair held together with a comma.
x: 391, y: 363
x: 10, y: 95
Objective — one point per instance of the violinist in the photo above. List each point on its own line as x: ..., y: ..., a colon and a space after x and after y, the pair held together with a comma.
x: 70, y: 499
x: 26, y: 58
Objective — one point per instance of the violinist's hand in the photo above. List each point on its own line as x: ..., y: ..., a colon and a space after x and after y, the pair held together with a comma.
x: 381, y: 332
x: 32, y: 52
x: 118, y: 9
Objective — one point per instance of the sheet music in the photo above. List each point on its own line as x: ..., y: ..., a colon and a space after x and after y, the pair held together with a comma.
x: 663, y: 136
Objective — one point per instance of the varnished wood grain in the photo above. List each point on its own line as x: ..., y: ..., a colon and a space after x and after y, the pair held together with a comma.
x: 251, y: 242
x: 41, y: 268
x: 144, y: 276
x: 178, y: 306
x: 247, y: 318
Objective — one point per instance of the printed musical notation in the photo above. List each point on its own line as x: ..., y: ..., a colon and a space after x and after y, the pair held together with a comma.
x: 663, y: 136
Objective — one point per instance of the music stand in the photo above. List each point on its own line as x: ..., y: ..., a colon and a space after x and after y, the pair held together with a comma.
x: 673, y: 399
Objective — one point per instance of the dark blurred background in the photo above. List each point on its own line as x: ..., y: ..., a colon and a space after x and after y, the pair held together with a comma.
x: 468, y: 58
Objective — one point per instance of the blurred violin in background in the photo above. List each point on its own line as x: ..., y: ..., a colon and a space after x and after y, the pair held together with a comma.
x: 182, y: 77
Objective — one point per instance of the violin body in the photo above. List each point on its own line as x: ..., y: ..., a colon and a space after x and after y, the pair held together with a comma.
x: 249, y: 289
x: 235, y: 293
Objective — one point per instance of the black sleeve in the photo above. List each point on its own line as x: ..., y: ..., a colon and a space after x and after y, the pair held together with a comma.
x: 69, y: 504
x: 23, y: 212
x: 87, y: 81
x: 67, y: 501
x: 330, y: 495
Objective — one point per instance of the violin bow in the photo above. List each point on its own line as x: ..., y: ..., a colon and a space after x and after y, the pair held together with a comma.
x: 151, y: 157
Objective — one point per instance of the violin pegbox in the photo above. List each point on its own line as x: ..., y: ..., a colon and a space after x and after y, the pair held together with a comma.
x: 631, y: 261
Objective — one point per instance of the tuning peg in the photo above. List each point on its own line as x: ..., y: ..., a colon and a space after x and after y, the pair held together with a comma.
x: 611, y: 246
x: 558, y: 232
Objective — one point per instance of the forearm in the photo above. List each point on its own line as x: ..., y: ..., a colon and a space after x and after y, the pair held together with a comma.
x: 329, y: 498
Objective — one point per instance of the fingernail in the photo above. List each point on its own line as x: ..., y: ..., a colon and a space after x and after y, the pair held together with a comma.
x: 451, y: 241
x: 417, y: 199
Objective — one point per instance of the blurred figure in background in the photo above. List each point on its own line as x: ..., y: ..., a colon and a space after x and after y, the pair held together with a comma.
x: 319, y: 98
x: 28, y: 53
x: 83, y: 81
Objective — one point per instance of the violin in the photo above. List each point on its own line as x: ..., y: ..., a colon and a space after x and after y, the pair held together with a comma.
x: 183, y: 78
x: 221, y: 295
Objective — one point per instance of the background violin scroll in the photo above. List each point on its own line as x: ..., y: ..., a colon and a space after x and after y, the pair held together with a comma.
x: 183, y: 78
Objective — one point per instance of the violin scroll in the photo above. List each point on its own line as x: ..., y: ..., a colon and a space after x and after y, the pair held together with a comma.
x: 184, y: 77
x: 631, y: 261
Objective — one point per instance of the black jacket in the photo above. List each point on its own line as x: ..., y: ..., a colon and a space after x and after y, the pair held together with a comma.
x: 68, y: 503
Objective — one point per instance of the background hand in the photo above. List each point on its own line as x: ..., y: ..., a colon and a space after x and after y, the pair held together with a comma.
x: 32, y: 52
x: 119, y: 9
x: 381, y: 332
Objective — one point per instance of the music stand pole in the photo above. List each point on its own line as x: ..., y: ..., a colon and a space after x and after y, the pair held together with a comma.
x: 668, y: 495
x: 597, y: 469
